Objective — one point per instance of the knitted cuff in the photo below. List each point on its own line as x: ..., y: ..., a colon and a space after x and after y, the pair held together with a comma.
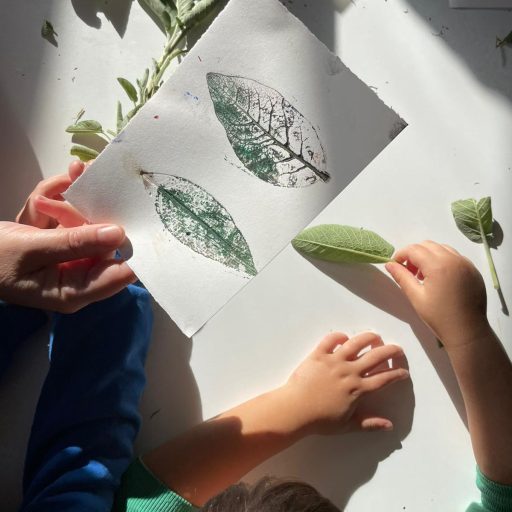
x: 495, y: 497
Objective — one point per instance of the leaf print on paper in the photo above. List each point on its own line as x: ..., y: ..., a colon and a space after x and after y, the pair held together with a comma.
x: 273, y: 140
x: 199, y: 221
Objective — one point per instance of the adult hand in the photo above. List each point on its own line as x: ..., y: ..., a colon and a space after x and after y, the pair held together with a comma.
x: 60, y: 269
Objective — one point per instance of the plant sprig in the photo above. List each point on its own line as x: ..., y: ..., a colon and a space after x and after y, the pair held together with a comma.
x: 176, y: 18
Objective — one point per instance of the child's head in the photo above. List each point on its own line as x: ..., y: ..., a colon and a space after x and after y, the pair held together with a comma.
x: 270, y: 495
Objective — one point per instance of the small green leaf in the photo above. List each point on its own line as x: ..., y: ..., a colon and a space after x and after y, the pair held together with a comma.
x: 112, y: 132
x: 129, y: 89
x: 79, y: 115
x: 144, y: 80
x: 119, y: 118
x: 86, y: 126
x: 84, y: 153
x: 47, y: 30
x: 500, y: 43
x: 198, y: 12
x: 474, y: 218
x: 343, y: 244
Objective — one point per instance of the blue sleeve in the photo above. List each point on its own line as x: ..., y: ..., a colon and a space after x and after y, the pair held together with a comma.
x: 87, y: 415
x: 17, y: 323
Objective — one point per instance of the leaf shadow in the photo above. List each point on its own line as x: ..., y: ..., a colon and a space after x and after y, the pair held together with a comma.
x: 116, y: 12
x: 374, y: 287
x: 497, y: 235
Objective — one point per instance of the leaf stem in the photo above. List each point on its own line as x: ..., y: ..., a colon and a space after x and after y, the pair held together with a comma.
x: 494, y: 275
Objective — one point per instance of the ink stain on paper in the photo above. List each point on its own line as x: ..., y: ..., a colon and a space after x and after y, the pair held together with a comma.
x: 197, y: 220
x: 271, y: 138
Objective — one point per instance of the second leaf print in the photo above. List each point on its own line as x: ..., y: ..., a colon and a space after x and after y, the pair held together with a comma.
x: 272, y: 139
x: 199, y: 221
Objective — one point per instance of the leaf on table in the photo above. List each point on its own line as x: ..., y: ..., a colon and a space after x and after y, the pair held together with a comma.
x: 129, y: 89
x: 500, y: 43
x: 273, y: 140
x: 198, y: 12
x: 83, y: 152
x: 199, y: 221
x: 163, y: 11
x: 47, y: 30
x: 343, y: 244
x: 86, y: 126
x: 474, y: 218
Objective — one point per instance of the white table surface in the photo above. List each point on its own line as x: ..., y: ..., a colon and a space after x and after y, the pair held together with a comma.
x: 440, y: 70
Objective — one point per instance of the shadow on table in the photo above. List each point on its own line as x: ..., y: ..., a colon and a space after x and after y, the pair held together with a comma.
x: 19, y: 170
x: 338, y: 465
x: 471, y: 34
x: 171, y: 402
x: 116, y: 12
x: 376, y: 288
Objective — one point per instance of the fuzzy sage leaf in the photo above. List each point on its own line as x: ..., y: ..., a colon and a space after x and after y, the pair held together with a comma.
x: 474, y: 219
x: 129, y: 89
x: 273, y: 140
x: 343, y: 244
x: 83, y: 152
x: 47, y: 30
x: 86, y: 126
x: 199, y: 221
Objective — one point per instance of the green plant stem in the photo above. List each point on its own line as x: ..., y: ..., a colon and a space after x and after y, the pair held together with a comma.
x: 494, y: 275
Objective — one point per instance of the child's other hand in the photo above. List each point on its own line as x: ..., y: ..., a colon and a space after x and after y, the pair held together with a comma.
x: 445, y: 289
x: 325, y: 389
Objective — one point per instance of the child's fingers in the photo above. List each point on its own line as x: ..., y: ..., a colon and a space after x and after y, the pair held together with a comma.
x: 417, y: 254
x: 75, y: 169
x: 61, y: 211
x: 330, y: 342
x: 449, y: 248
x: 380, y: 380
x: 408, y: 282
x: 371, y: 423
x: 377, y: 356
x: 359, y: 342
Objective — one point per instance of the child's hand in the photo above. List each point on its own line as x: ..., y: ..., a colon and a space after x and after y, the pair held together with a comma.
x: 445, y: 289
x: 324, y: 390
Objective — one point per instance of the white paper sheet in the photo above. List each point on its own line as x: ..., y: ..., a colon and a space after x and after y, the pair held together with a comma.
x: 260, y: 75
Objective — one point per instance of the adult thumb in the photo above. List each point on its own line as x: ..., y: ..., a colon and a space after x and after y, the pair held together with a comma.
x: 68, y: 244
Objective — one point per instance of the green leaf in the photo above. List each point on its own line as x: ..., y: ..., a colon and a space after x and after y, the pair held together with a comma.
x: 273, y: 140
x: 119, y: 118
x: 199, y: 221
x: 47, y: 30
x: 129, y: 89
x: 198, y: 12
x: 183, y: 7
x: 86, y: 126
x: 79, y: 115
x: 163, y: 11
x: 343, y: 244
x: 474, y: 218
x: 500, y: 43
x: 84, y: 153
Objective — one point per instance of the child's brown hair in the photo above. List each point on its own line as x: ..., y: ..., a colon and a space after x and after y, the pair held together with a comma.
x: 270, y: 495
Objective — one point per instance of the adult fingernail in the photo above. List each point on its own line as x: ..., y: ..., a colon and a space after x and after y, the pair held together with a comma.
x: 110, y: 235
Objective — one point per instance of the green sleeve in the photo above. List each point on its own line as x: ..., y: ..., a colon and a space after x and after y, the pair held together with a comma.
x: 495, y: 497
x: 140, y: 491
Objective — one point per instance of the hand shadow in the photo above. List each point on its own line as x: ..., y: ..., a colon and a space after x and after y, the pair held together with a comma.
x: 375, y: 287
x: 171, y: 402
x: 338, y: 465
x: 116, y: 11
